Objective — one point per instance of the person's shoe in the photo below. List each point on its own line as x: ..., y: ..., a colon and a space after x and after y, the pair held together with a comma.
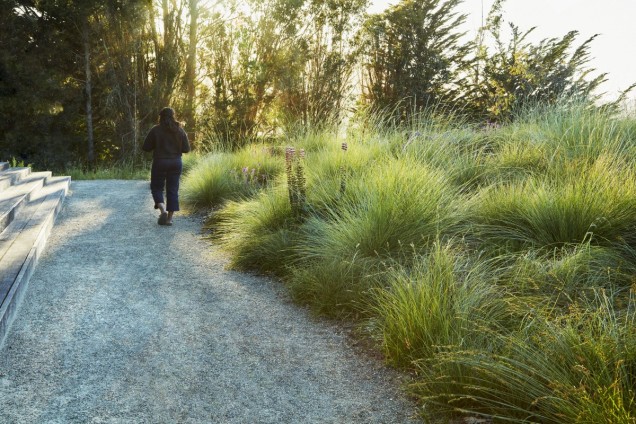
x: 163, y: 219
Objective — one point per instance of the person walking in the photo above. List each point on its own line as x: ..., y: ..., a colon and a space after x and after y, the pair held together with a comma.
x: 167, y: 141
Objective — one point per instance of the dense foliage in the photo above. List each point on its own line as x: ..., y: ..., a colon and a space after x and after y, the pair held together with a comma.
x: 81, y: 82
x: 510, y: 75
x: 413, y: 57
x: 496, y: 264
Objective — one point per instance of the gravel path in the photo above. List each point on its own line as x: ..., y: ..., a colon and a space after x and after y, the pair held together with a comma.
x: 125, y: 321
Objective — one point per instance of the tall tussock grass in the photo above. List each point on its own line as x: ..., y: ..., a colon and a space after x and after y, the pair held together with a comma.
x: 443, y: 302
x: 390, y: 209
x: 576, y: 130
x: 220, y: 176
x: 581, y: 201
x: 575, y: 368
x: 496, y: 264
x: 391, y: 204
x: 260, y: 233
x: 565, y: 275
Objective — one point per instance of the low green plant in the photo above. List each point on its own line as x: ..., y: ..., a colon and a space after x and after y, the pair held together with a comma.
x: 260, y: 233
x: 125, y: 170
x: 443, y: 303
x: 582, y: 202
x: 15, y: 163
x: 219, y: 177
x: 573, y: 368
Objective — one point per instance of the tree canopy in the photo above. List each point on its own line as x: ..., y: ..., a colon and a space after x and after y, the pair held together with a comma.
x: 81, y: 82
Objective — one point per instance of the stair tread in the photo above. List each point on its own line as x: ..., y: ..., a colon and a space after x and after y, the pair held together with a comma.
x: 20, y: 237
x: 18, y: 193
x: 28, y: 208
x: 12, y: 176
x: 19, y: 188
x: 23, y: 185
x: 12, y: 171
x: 25, y: 216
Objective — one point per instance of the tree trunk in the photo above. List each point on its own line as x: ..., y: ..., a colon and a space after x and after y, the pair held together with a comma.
x: 190, y: 74
x: 166, y: 57
x: 88, y: 93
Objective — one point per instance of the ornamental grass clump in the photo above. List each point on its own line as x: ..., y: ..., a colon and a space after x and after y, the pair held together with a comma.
x: 443, y: 303
x: 573, y: 368
x: 515, y: 161
x: 460, y: 153
x: 335, y: 289
x: 566, y: 275
x: 387, y: 212
x: 259, y: 233
x: 329, y: 173
x: 190, y: 160
x: 209, y: 183
x: 577, y: 130
x: 315, y: 139
x: 577, y: 203
x: 390, y: 205
x: 219, y: 177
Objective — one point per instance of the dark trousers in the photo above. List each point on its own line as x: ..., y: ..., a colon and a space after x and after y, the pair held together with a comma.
x: 166, y: 173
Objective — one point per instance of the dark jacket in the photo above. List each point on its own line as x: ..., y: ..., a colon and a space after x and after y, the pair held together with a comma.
x: 165, y: 144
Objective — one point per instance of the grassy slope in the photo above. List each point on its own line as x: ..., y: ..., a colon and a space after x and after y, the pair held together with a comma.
x: 496, y: 263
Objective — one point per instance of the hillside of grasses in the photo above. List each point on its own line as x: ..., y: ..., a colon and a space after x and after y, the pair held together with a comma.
x: 495, y: 263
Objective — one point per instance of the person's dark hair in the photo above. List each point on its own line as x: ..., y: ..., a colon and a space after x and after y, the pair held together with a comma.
x: 166, y: 120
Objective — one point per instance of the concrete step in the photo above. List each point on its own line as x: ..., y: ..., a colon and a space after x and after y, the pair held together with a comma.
x: 16, y: 196
x: 22, y: 241
x: 12, y: 176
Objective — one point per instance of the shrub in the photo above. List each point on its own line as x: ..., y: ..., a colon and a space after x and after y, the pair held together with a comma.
x: 576, y: 368
x: 443, y: 303
x: 594, y: 202
x: 224, y: 176
x: 259, y: 233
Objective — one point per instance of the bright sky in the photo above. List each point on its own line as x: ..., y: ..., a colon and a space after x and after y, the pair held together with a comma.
x: 613, y: 50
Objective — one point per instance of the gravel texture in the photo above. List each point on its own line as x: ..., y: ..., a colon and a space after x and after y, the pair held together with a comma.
x: 125, y: 321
